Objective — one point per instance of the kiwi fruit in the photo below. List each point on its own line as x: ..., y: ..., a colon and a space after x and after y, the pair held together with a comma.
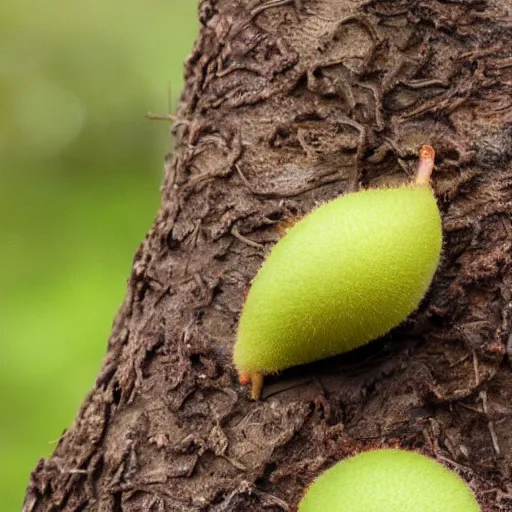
x: 389, y: 480
x: 343, y: 275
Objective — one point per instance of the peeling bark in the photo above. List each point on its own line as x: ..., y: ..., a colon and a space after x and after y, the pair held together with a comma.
x: 287, y: 104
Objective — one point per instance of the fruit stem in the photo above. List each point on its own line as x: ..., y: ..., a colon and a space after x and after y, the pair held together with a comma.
x: 425, y: 165
x: 256, y: 385
x: 256, y: 380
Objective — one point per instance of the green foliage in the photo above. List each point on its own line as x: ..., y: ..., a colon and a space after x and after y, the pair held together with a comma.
x: 80, y: 168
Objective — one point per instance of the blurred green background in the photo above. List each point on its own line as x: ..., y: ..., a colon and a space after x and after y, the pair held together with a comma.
x: 80, y: 169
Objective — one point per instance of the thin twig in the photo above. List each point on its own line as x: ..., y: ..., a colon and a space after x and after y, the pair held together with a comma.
x: 247, y: 241
x: 161, y: 117
x: 490, y: 424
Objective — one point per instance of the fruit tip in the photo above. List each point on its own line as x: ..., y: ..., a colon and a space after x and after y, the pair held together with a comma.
x: 244, y: 378
x: 427, y: 152
x: 256, y: 380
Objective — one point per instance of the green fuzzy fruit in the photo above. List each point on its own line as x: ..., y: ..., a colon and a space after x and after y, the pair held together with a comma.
x: 389, y: 481
x: 344, y: 275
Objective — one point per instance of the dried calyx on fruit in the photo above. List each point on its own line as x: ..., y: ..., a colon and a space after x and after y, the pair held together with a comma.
x: 345, y: 274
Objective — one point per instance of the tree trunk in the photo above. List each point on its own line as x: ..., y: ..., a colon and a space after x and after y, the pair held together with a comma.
x: 287, y: 104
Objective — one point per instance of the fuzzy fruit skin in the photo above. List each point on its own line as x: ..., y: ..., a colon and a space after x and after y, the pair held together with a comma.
x: 389, y: 481
x: 344, y: 275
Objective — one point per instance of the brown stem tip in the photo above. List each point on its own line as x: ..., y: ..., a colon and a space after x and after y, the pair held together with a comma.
x: 256, y: 381
x: 425, y: 165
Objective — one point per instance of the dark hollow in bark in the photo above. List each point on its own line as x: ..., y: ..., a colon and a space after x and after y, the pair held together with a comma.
x: 287, y: 104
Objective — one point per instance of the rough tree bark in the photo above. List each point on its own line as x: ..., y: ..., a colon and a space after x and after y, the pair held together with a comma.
x: 287, y: 104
